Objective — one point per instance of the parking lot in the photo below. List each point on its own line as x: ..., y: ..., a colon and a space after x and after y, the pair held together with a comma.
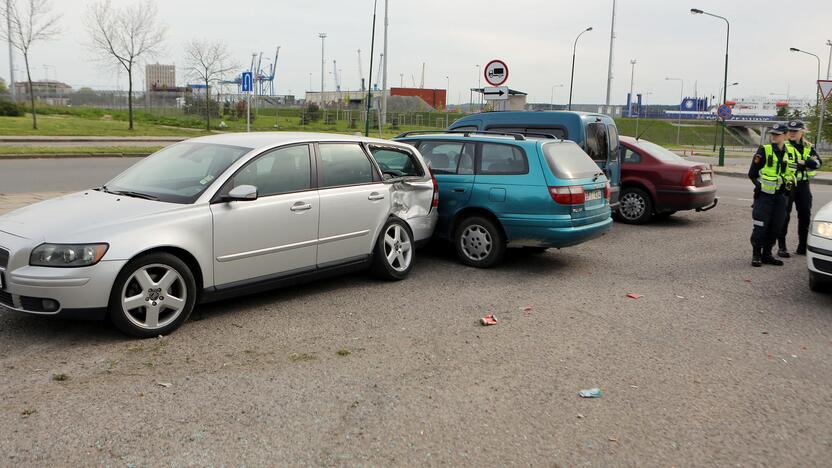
x: 716, y: 364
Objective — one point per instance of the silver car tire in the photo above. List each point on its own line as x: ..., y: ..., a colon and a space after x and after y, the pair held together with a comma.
x: 479, y: 242
x: 395, y: 251
x: 153, y: 295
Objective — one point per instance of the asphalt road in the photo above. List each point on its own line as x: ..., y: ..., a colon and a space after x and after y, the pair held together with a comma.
x: 717, y: 364
x: 59, y: 175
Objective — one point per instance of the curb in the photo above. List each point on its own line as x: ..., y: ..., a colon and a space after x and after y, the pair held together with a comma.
x: 72, y: 155
x: 741, y: 175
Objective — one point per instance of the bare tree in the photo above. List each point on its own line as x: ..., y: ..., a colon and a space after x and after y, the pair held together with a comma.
x: 27, y: 25
x: 122, y: 36
x: 208, y: 62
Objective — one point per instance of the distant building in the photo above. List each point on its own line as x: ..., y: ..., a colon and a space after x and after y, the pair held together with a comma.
x: 436, y: 98
x: 160, y: 77
x: 50, y: 91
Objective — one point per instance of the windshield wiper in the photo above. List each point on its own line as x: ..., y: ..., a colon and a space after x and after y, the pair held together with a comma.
x: 128, y: 193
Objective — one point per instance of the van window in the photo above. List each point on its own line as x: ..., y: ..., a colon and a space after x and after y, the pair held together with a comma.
x: 396, y: 162
x: 615, y: 149
x: 556, y: 132
x: 448, y: 157
x: 502, y: 160
x: 597, y: 145
x: 469, y: 128
x: 568, y: 161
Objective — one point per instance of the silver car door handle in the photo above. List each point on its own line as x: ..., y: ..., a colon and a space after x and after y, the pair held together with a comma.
x: 301, y: 206
x: 375, y: 196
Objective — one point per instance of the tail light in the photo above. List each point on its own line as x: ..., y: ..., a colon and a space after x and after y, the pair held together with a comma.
x: 607, y: 191
x: 689, y: 179
x: 573, y: 195
x: 435, y: 202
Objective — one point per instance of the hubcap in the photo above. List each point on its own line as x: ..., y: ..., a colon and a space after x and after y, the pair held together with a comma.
x: 476, y: 242
x: 632, y: 206
x: 154, y: 296
x: 397, y: 248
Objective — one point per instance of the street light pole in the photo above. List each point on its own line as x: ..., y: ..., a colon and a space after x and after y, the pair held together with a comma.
x: 572, y: 78
x: 552, y: 97
x: 447, y: 95
x: 632, y: 76
x: 612, y: 44
x: 720, y: 93
x: 829, y: 62
x: 818, y: 106
x: 370, y: 78
x: 681, y: 98
x: 11, y: 50
x: 696, y: 11
x: 323, y: 63
x: 479, y: 86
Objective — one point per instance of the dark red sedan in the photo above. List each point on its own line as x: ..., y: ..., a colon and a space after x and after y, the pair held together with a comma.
x: 655, y: 182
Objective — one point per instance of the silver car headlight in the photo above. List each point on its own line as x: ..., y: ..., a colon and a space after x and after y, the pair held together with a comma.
x: 67, y: 255
x: 822, y: 229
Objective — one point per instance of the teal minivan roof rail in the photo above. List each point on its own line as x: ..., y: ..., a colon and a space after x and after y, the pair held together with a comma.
x: 466, y: 133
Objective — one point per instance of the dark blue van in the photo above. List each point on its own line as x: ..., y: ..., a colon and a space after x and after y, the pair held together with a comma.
x: 596, y: 134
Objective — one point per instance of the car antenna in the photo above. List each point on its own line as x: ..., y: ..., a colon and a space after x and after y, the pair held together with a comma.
x: 645, y: 130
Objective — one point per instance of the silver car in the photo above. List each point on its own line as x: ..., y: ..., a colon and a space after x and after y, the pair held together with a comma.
x: 214, y: 217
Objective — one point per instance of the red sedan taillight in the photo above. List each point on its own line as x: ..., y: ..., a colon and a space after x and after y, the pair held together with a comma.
x: 690, y: 177
x: 573, y: 195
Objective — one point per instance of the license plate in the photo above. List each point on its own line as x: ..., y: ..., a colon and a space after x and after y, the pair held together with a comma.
x: 706, y: 177
x: 594, y: 195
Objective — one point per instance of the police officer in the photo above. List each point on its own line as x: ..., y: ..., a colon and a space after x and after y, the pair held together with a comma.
x: 807, y: 163
x: 772, y: 180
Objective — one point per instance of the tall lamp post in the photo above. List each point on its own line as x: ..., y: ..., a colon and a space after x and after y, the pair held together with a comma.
x: 632, y: 76
x: 696, y: 11
x: 447, y: 97
x: 572, y: 78
x: 370, y: 79
x: 681, y: 98
x: 479, y: 86
x: 829, y: 62
x: 821, y: 109
x: 552, y: 97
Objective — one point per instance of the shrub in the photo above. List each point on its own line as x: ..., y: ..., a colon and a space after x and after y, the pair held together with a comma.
x: 11, y: 109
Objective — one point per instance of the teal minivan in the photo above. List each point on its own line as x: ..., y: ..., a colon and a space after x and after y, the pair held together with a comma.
x: 506, y: 190
x: 596, y: 134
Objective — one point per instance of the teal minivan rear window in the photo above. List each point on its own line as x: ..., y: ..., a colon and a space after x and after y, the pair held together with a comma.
x: 568, y: 161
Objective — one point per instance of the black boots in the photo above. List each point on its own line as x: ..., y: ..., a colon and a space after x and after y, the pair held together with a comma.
x: 757, y: 258
x: 769, y: 259
x: 783, y: 253
x: 801, y: 249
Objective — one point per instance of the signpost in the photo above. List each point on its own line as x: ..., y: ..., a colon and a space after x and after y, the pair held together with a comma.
x: 499, y: 93
x: 496, y: 73
x: 724, y: 111
x: 247, y: 86
x: 825, y: 91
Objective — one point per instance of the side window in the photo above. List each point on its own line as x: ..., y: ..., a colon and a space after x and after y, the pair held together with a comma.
x: 631, y: 157
x: 344, y: 164
x: 448, y: 157
x: 502, y: 159
x: 596, y: 142
x: 279, y: 171
x: 468, y: 128
x: 614, y: 144
x: 396, y: 162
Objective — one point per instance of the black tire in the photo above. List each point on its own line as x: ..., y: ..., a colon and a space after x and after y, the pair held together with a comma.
x: 402, y: 243
x: 636, y: 207
x: 818, y: 283
x: 478, y: 242
x: 154, y: 262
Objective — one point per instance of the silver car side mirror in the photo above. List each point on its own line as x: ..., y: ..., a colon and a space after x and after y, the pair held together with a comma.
x: 242, y: 193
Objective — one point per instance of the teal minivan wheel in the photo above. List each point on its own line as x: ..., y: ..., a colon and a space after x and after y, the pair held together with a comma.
x: 478, y: 242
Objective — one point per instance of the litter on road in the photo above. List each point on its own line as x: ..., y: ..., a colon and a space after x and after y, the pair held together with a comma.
x: 590, y: 393
x: 489, y: 319
x: 163, y: 384
x: 634, y: 296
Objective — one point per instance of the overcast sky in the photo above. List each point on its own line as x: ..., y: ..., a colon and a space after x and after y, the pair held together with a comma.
x: 534, y: 37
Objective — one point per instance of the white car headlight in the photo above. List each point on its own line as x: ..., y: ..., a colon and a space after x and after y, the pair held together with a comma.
x: 67, y: 255
x: 822, y: 229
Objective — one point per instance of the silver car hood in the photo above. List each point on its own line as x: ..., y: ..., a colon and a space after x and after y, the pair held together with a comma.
x: 70, y: 215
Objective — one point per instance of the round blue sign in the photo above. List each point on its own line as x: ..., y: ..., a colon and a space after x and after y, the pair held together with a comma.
x: 724, y: 111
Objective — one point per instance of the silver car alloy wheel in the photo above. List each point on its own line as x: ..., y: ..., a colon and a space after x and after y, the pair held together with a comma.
x: 476, y: 242
x: 154, y: 296
x: 397, y: 248
x: 632, y: 206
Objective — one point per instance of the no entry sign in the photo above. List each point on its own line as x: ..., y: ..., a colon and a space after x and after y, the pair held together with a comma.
x: 496, y: 72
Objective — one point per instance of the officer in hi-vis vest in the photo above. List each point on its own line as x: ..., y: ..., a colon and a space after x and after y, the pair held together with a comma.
x: 807, y: 162
x: 772, y: 179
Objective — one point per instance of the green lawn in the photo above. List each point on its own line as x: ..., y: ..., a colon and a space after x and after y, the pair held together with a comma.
x: 126, y: 150
x: 64, y: 125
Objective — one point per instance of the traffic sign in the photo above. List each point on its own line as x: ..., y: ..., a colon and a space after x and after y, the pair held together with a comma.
x: 724, y: 111
x: 247, y: 82
x: 499, y: 93
x: 496, y: 73
x: 825, y: 88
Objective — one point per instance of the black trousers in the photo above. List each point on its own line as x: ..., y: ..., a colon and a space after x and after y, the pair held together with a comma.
x: 801, y: 196
x: 769, y: 213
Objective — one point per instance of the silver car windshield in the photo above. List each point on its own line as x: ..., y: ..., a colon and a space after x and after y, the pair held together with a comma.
x: 179, y: 173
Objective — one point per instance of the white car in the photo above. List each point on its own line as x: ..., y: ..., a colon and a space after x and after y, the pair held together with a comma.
x: 214, y: 217
x: 819, y: 251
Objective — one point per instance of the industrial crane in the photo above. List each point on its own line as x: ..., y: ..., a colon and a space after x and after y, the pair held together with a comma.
x: 335, y: 76
x: 361, y: 72
x: 380, y: 70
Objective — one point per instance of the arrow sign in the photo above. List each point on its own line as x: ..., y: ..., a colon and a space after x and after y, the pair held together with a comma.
x: 495, y: 94
x: 247, y: 82
x: 825, y: 88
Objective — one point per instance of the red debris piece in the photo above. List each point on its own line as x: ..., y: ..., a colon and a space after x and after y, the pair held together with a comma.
x: 634, y: 296
x: 489, y: 319
x: 747, y: 280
